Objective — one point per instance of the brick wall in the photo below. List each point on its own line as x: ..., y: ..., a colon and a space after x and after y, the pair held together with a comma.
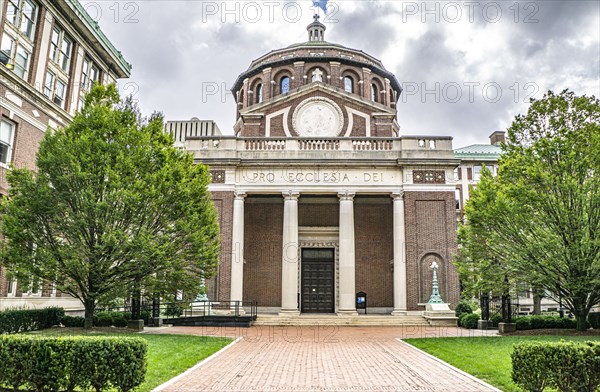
x: 263, y: 242
x: 319, y: 214
x: 373, y: 230
x: 219, y: 287
x: 430, y: 236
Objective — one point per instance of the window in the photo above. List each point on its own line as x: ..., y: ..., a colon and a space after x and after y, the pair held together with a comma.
x: 259, y: 93
x: 90, y: 74
x: 7, y: 132
x: 60, y: 49
x: 18, y: 56
x: 457, y: 198
x: 373, y: 92
x: 348, y: 84
x: 22, y: 14
x: 12, y: 287
x: 476, y: 172
x: 285, y: 85
x: 28, y: 15
x: 55, y: 89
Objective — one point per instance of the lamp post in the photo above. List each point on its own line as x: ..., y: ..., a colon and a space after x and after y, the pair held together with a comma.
x: 435, y: 292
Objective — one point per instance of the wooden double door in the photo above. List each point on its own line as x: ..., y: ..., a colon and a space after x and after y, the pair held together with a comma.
x: 318, y: 280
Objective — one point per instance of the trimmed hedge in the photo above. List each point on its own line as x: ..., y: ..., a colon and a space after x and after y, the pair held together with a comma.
x: 62, y: 363
x: 566, y: 366
x: 540, y: 322
x: 594, y: 319
x: 469, y: 320
x: 73, y: 321
x: 14, y: 321
x: 107, y: 319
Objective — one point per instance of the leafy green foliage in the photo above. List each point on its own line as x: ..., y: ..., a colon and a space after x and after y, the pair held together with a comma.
x: 463, y: 307
x: 22, y: 320
x: 113, y: 207
x: 73, y: 321
x: 541, y: 322
x: 56, y: 363
x: 469, y: 321
x: 115, y: 319
x: 594, y: 319
x: 567, y: 366
x: 538, y: 221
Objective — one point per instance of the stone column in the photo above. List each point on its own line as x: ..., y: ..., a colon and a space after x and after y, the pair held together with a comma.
x: 399, y: 256
x: 347, y: 288
x: 237, y: 248
x: 289, y: 266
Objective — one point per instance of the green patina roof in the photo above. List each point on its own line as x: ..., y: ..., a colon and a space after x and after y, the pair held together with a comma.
x: 479, y: 151
x: 93, y: 26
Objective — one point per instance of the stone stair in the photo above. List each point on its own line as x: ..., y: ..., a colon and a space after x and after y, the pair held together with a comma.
x: 360, y: 320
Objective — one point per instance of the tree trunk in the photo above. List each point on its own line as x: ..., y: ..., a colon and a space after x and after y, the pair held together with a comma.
x: 90, y: 307
x: 581, y: 317
x: 537, y: 304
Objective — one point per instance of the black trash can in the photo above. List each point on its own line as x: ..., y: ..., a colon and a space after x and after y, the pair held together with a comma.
x: 361, y: 301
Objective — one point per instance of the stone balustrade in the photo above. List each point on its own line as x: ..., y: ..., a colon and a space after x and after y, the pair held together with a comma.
x: 412, y: 144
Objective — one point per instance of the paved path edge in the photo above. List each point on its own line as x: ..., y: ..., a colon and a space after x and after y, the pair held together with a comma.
x: 196, y: 366
x: 480, y: 381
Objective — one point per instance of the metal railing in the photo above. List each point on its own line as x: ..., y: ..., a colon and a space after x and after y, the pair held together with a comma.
x: 151, y: 311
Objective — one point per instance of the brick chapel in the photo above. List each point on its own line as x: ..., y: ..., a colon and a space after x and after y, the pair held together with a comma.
x: 318, y: 193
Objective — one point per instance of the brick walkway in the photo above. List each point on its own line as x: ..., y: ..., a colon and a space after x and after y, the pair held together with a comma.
x: 324, y: 358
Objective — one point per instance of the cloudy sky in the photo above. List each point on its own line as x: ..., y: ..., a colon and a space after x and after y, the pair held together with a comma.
x: 467, y: 68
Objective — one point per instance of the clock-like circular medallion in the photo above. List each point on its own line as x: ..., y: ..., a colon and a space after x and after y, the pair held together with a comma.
x: 318, y: 117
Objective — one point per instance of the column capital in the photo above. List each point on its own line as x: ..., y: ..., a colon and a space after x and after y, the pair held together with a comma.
x: 239, y: 195
x: 346, y: 195
x: 398, y: 195
x: 290, y: 195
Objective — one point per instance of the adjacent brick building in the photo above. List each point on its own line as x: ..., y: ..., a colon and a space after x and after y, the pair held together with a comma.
x: 319, y: 195
x: 51, y: 52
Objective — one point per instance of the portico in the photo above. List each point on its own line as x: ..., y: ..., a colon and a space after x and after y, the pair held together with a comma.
x: 344, y: 249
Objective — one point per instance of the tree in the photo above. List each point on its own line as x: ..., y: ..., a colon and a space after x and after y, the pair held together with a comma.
x: 540, y: 217
x: 113, y: 206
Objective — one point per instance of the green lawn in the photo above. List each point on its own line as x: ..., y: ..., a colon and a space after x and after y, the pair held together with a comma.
x: 487, y: 358
x: 168, y: 355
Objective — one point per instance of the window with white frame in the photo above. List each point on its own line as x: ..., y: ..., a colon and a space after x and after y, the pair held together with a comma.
x: 348, y: 84
x: 476, y: 172
x: 22, y: 14
x: 60, y: 48
x: 55, y: 89
x: 17, y: 54
x: 7, y: 134
x: 12, y: 287
x: 90, y: 74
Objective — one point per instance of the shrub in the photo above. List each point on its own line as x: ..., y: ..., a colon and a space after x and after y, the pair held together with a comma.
x: 73, y: 321
x: 463, y: 307
x: 107, y: 319
x: 59, y: 363
x: 541, y: 322
x: 495, y: 319
x: 567, y: 366
x: 21, y: 320
x: 594, y: 319
x: 469, y: 321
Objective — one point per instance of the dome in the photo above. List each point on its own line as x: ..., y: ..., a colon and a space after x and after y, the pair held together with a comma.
x: 316, y: 50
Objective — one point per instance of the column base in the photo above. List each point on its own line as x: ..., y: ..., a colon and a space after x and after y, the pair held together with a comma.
x: 398, y: 312
x: 349, y: 312
x: 289, y: 313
